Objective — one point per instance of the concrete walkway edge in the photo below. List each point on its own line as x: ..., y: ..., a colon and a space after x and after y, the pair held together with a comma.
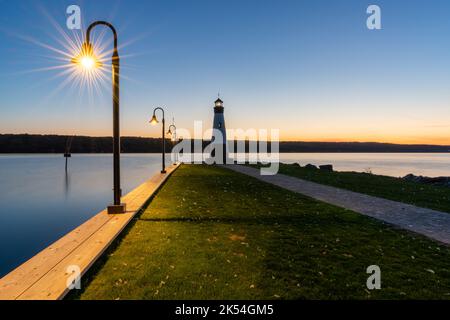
x: 430, y: 223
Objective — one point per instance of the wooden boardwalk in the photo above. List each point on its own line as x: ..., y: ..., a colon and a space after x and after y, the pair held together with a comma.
x: 45, y: 276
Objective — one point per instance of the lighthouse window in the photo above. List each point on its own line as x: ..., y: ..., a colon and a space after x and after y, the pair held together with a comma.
x: 220, y: 125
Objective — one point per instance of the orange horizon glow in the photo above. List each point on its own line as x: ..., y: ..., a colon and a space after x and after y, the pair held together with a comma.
x: 308, y: 138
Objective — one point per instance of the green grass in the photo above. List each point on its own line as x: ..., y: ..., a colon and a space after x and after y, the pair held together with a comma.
x: 211, y: 233
x: 419, y: 194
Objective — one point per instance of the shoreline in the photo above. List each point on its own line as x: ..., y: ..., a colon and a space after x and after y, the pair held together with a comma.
x: 441, y: 180
x: 284, y: 152
x: 44, y: 276
x: 35, y: 143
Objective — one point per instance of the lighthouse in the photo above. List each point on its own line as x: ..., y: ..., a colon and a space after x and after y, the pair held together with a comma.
x: 220, y: 140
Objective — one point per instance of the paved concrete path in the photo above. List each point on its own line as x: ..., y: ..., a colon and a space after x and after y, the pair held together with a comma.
x: 430, y: 223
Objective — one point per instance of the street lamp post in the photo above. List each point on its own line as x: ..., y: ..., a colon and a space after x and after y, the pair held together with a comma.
x: 154, y: 121
x: 174, y: 135
x: 88, y: 60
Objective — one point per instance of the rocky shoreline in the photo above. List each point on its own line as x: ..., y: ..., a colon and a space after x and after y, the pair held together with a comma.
x: 438, y: 181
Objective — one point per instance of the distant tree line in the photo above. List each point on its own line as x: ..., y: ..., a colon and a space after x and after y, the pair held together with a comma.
x: 26, y: 143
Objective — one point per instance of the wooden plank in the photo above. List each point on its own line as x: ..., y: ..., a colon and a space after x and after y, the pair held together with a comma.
x: 20, y: 279
x: 53, y: 285
x: 44, y: 276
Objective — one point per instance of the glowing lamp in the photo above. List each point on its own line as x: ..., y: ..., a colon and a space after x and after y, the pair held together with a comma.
x: 219, y: 103
x: 154, y: 121
x: 87, y: 59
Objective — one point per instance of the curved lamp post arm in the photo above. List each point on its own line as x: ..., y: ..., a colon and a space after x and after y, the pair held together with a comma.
x: 162, y: 110
x: 104, y: 23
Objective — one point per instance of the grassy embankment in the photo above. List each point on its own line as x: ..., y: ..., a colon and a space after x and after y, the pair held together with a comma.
x: 397, y: 189
x: 211, y: 233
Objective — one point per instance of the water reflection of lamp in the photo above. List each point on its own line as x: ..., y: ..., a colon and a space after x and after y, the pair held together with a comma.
x: 67, y: 153
x: 66, y: 184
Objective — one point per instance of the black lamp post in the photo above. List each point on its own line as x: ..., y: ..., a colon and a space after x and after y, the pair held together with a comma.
x: 154, y: 121
x: 88, y: 60
x: 173, y: 134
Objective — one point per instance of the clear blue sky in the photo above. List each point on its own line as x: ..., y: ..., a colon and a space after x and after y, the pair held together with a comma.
x: 308, y: 67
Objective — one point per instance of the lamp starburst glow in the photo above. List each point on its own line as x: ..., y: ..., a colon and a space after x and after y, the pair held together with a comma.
x: 87, y: 58
x: 88, y: 62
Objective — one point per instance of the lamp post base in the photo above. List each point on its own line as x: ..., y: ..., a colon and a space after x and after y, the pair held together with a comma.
x: 116, y: 209
x: 163, y: 171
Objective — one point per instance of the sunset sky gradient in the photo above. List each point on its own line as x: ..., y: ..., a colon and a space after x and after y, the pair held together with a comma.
x: 310, y: 68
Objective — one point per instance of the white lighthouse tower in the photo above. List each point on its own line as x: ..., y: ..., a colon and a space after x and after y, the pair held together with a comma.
x: 219, y: 138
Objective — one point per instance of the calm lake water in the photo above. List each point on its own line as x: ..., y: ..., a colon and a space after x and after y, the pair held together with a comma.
x: 40, y: 203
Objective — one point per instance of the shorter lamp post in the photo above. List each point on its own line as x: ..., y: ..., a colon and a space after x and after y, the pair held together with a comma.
x: 154, y: 121
x: 174, y: 136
